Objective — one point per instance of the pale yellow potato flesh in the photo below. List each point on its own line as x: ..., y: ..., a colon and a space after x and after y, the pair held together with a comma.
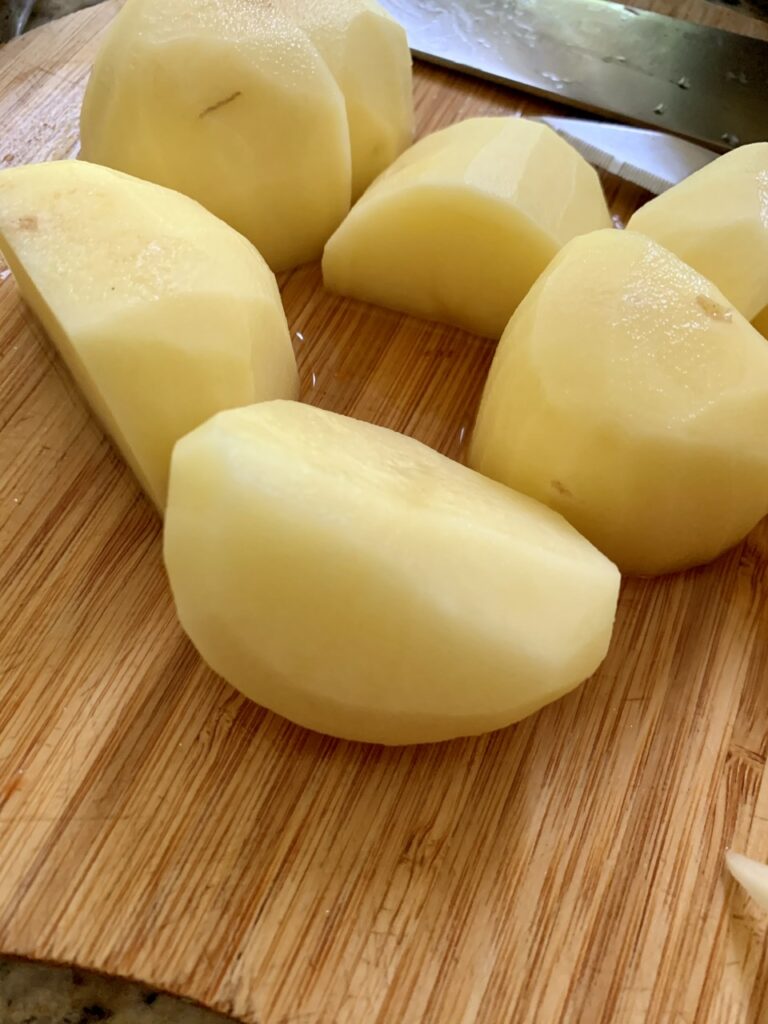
x: 717, y: 221
x: 628, y: 394
x: 462, y: 224
x: 248, y: 107
x: 162, y: 312
x: 751, y: 875
x: 367, y: 52
x: 361, y: 584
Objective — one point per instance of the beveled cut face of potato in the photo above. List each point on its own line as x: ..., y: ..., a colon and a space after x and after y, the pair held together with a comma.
x: 163, y: 314
x: 629, y: 394
x: 269, y: 114
x: 462, y: 224
x: 361, y: 584
x: 717, y: 221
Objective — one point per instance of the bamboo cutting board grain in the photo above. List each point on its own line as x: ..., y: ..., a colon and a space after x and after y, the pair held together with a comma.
x: 156, y: 825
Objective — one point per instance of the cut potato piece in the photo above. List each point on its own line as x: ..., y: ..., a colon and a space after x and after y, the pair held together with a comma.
x: 462, y: 224
x: 363, y: 585
x: 249, y: 108
x: 367, y: 53
x: 750, y: 874
x: 163, y: 313
x: 717, y: 221
x: 231, y: 104
x: 629, y: 395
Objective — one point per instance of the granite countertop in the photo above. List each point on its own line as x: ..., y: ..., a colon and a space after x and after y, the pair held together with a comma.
x: 17, y: 16
x: 33, y: 993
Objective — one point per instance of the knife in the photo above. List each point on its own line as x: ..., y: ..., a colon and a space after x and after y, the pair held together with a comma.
x: 635, y: 66
x: 653, y: 160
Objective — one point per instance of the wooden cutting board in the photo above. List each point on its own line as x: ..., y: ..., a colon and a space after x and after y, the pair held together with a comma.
x: 156, y: 825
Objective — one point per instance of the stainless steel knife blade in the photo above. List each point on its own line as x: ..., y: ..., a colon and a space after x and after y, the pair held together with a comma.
x: 653, y: 160
x: 631, y: 65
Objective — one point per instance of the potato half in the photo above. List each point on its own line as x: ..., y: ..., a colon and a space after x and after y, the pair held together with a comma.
x: 269, y: 114
x: 717, y: 221
x: 162, y: 312
x: 628, y: 394
x: 462, y: 224
x: 367, y: 53
x: 363, y: 585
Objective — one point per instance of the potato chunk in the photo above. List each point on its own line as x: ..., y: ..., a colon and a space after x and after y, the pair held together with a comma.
x: 462, y: 224
x: 269, y: 114
x: 717, y: 221
x: 628, y: 394
x: 162, y: 312
x: 361, y: 584
x: 367, y: 53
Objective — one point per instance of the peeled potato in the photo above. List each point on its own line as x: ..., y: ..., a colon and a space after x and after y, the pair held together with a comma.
x: 360, y: 584
x: 629, y: 395
x: 367, y: 52
x: 717, y: 221
x: 163, y: 313
x: 267, y: 113
x: 462, y: 224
